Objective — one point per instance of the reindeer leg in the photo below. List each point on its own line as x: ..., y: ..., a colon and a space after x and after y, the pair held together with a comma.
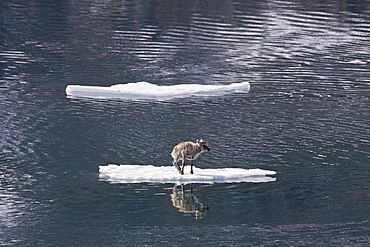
x: 176, y: 165
x: 182, y: 169
x: 191, y: 167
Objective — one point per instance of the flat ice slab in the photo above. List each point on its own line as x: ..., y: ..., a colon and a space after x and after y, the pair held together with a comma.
x: 147, y: 91
x: 169, y: 174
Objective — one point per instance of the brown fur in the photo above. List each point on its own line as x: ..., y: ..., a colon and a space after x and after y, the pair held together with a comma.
x: 188, y: 150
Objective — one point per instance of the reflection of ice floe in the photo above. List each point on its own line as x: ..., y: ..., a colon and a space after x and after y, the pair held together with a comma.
x: 148, y: 91
x: 358, y: 61
x: 167, y: 174
x: 186, y: 202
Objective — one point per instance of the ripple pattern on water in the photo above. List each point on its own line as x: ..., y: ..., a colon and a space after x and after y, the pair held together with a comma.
x: 306, y: 117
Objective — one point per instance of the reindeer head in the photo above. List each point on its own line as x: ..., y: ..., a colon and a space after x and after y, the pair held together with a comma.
x: 203, y: 145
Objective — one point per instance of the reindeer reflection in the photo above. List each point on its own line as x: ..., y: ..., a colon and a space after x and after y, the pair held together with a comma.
x: 186, y: 202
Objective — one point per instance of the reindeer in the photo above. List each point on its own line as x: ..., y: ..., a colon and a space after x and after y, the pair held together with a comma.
x: 188, y: 150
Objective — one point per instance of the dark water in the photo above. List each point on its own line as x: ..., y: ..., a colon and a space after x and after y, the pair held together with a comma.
x: 306, y: 117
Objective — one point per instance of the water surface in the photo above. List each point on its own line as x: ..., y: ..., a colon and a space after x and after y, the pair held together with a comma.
x: 306, y: 117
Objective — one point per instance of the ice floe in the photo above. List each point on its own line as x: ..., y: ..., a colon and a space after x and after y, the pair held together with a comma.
x: 168, y: 174
x: 149, y: 91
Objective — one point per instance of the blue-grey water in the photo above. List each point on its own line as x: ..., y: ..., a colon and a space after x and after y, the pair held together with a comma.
x: 307, y: 117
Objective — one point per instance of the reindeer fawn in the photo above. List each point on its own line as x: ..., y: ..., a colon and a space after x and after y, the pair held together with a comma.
x: 188, y: 150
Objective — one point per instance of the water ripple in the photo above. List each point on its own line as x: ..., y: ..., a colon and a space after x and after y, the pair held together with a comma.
x: 306, y: 116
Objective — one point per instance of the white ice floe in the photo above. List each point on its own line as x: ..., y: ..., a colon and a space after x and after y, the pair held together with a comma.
x: 168, y: 174
x: 148, y: 91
